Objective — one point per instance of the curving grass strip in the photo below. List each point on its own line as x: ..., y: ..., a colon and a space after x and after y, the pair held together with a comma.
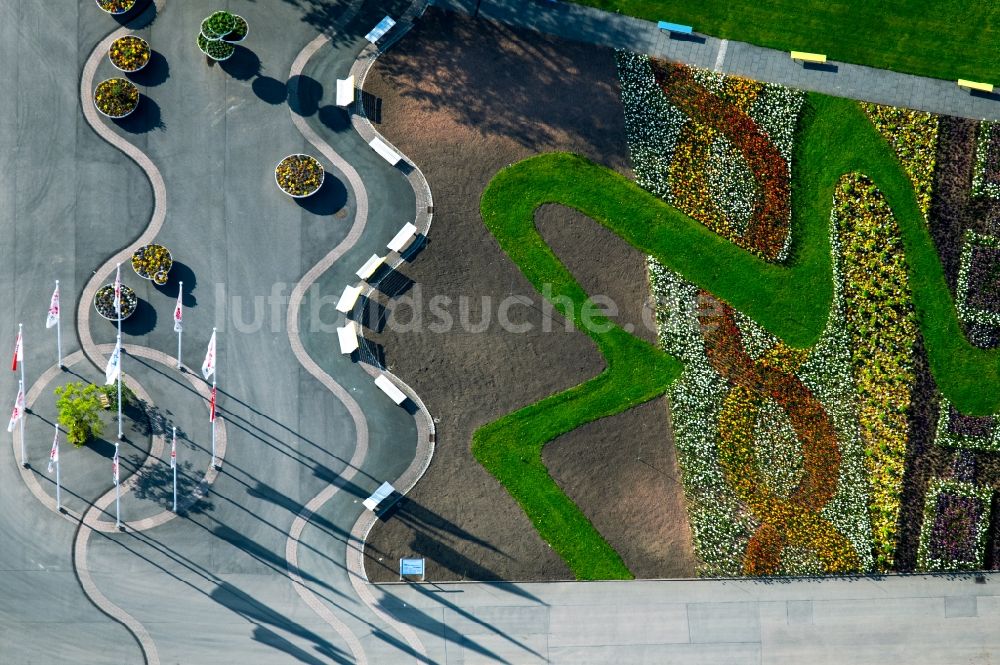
x: 791, y: 300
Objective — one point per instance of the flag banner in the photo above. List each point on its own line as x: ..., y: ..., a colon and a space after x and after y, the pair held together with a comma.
x: 114, y: 368
x: 18, y: 352
x: 208, y: 367
x: 18, y: 411
x: 54, y: 453
x: 114, y: 466
x: 118, y: 291
x: 173, y: 452
x: 178, y: 314
x: 211, y: 407
x: 53, y: 318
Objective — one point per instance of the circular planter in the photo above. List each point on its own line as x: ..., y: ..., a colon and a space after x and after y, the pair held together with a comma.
x: 104, y: 302
x: 129, y: 54
x: 240, y: 32
x: 116, y: 98
x: 218, y: 25
x: 215, y: 49
x: 299, y: 175
x: 152, y: 262
x: 115, y: 7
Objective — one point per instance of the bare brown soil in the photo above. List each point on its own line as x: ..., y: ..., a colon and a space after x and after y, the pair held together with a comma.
x: 463, y: 99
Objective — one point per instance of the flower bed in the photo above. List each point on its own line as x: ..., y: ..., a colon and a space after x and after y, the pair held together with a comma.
x: 955, y: 430
x: 956, y: 520
x: 218, y: 25
x: 913, y: 135
x: 116, y: 98
x: 152, y: 262
x: 240, y: 30
x: 129, y: 53
x: 116, y: 6
x: 215, y: 49
x: 986, y: 173
x: 104, y: 302
x: 299, y: 175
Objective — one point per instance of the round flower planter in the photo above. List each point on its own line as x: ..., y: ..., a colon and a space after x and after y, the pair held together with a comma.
x: 218, y: 25
x: 152, y: 262
x: 104, y: 302
x: 116, y: 98
x: 299, y: 175
x: 240, y: 32
x: 129, y: 54
x: 215, y: 49
x: 115, y: 7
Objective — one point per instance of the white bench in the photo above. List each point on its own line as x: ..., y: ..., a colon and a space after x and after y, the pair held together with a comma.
x: 387, y: 153
x: 380, y: 29
x: 378, y: 496
x: 401, y: 238
x: 348, y: 337
x: 370, y: 266
x: 390, y: 389
x: 345, y: 91
x: 348, y: 298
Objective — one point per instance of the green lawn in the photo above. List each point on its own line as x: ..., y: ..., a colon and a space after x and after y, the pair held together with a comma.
x: 947, y: 39
x: 791, y: 300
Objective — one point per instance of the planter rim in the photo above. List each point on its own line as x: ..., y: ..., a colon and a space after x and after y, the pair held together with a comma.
x: 322, y: 175
x: 137, y: 69
x: 108, y: 115
x: 114, y: 318
x: 237, y: 41
x: 124, y: 11
x: 213, y: 57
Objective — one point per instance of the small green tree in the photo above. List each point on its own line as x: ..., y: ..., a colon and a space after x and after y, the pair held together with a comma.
x: 79, y: 412
x: 111, y: 392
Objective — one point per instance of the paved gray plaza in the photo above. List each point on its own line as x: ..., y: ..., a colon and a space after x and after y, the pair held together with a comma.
x: 214, y: 585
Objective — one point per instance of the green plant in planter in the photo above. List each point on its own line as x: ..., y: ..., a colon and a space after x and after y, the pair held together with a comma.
x: 79, y: 412
x: 239, y: 32
x: 111, y: 392
x: 218, y: 25
x: 216, y: 50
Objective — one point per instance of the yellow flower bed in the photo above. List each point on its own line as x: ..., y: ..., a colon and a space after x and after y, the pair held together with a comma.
x: 116, y: 97
x: 299, y: 175
x: 129, y: 53
x: 913, y: 135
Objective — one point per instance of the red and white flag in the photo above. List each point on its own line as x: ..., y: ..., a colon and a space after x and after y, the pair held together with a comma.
x: 208, y: 367
x: 173, y: 452
x: 18, y: 411
x: 211, y: 407
x: 18, y: 352
x: 54, y: 453
x: 53, y: 318
x: 118, y: 291
x: 178, y: 314
x: 114, y: 466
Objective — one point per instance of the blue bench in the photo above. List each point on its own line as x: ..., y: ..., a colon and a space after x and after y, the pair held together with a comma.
x: 675, y: 27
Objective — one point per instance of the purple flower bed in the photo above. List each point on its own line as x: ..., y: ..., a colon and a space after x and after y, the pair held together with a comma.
x: 992, y: 171
x: 954, y: 536
x: 963, y: 425
x: 984, y: 279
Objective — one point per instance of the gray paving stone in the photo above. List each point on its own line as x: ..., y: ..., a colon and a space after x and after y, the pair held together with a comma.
x: 960, y: 606
x: 724, y: 622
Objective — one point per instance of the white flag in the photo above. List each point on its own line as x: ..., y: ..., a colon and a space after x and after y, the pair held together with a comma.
x: 173, y: 452
x: 54, y: 453
x: 118, y: 291
x: 53, y: 309
x: 114, y: 465
x: 18, y: 412
x: 178, y: 314
x: 18, y: 352
x: 114, y: 368
x: 208, y: 367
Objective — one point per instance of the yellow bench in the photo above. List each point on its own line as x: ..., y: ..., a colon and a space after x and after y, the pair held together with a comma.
x: 974, y: 85
x: 808, y: 57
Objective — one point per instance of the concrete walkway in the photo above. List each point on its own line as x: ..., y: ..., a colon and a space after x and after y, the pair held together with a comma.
x: 594, y: 26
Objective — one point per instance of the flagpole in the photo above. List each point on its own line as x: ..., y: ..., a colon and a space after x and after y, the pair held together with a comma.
x: 119, y: 384
x: 59, y: 332
x: 180, y: 291
x: 23, y: 382
x: 24, y: 454
x: 58, y: 484
x: 213, y: 424
x: 118, y: 494
x: 215, y: 377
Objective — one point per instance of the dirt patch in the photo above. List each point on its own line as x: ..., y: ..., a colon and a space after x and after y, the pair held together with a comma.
x: 463, y: 99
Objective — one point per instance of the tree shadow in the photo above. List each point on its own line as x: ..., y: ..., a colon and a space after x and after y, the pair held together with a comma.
x: 156, y: 71
x: 144, y: 119
x: 156, y: 483
x: 142, y: 321
x: 243, y: 65
x: 269, y: 90
x: 180, y: 272
x: 140, y: 16
x: 331, y: 197
x: 304, y: 95
x: 334, y: 118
